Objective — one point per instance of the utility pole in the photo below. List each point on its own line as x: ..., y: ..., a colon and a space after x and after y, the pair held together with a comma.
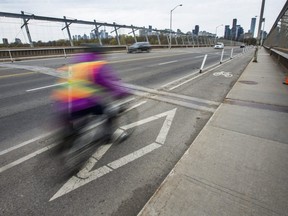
x: 259, y: 31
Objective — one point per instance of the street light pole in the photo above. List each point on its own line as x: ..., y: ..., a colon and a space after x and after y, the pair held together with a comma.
x: 216, y: 32
x: 259, y: 31
x: 262, y: 35
x: 255, y: 26
x: 170, y: 36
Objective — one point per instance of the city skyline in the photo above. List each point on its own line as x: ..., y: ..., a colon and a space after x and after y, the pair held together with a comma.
x: 236, y: 32
x: 206, y: 14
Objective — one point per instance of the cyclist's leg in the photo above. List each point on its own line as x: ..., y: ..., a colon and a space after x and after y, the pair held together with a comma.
x: 101, y: 109
x: 65, y: 133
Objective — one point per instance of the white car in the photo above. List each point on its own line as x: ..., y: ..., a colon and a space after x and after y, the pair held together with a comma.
x: 219, y: 45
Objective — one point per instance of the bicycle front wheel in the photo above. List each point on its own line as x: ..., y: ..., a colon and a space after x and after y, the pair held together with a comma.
x: 126, y: 123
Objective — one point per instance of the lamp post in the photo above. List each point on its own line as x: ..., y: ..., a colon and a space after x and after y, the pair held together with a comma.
x: 254, y: 26
x: 262, y: 35
x: 170, y: 36
x: 259, y: 31
x: 216, y: 32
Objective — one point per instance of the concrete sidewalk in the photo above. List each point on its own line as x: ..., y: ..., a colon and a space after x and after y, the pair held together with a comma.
x: 238, y: 164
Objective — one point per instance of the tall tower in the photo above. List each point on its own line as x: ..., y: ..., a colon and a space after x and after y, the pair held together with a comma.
x: 227, y: 34
x: 196, y: 29
x: 252, y: 26
x: 233, y: 30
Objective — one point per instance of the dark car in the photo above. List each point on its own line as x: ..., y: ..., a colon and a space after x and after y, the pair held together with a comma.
x: 242, y: 46
x: 139, y: 47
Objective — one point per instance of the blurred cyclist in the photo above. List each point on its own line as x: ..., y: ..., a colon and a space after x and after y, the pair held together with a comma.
x: 90, y: 86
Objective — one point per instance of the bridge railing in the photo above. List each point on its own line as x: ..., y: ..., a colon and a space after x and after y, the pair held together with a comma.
x: 277, y: 39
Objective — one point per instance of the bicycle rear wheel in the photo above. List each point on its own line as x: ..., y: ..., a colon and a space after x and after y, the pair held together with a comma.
x: 82, y: 146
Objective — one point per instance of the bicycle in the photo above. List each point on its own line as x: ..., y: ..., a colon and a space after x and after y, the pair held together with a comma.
x: 90, y: 133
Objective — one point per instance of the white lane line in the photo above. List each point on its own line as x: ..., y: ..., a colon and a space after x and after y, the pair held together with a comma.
x: 170, y: 62
x: 25, y: 158
x: 159, y: 92
x: 175, y: 102
x: 44, y: 87
x: 179, y: 79
x: 199, y: 56
x: 26, y: 143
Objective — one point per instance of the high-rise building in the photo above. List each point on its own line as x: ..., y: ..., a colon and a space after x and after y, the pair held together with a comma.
x: 227, y: 33
x: 5, y: 41
x: 196, y: 30
x: 252, y: 26
x: 239, y: 32
x: 233, y: 30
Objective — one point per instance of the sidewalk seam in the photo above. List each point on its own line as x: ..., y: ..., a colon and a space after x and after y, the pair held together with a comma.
x: 275, y: 141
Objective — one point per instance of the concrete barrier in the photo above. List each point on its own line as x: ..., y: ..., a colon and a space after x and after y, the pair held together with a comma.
x: 280, y: 55
x: 34, y: 53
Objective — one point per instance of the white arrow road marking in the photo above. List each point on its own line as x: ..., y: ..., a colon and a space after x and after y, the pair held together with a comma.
x: 40, y: 151
x: 86, y: 175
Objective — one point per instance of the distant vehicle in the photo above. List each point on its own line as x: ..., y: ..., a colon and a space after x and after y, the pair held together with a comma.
x: 219, y: 45
x: 242, y: 46
x: 139, y: 47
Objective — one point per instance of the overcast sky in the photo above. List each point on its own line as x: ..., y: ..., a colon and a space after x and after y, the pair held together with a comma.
x: 208, y: 14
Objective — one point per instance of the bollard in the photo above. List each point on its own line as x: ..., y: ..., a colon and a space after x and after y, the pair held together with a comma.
x: 64, y: 53
x: 10, y: 56
x: 203, y: 63
x: 231, y: 55
x: 222, y: 56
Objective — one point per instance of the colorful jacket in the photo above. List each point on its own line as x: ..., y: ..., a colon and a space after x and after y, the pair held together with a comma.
x: 88, y: 84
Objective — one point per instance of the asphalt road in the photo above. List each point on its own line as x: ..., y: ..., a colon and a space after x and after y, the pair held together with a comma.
x: 176, y: 102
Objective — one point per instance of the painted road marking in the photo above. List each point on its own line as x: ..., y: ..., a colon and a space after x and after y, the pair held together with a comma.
x: 44, y: 70
x: 26, y: 143
x: 25, y: 158
x: 44, y: 87
x: 170, y: 62
x: 78, y: 180
x: 223, y: 73
x: 170, y: 94
x: 201, y: 74
x: 33, y: 154
x: 15, y: 75
x: 138, y: 90
x: 55, y: 73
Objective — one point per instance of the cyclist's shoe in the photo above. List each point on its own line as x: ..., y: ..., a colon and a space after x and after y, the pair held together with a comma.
x: 122, y: 137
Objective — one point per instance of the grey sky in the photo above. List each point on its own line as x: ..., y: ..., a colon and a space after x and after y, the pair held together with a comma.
x: 206, y: 13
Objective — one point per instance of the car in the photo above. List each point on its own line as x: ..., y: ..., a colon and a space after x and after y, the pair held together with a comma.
x: 242, y: 46
x: 219, y: 45
x: 139, y: 47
